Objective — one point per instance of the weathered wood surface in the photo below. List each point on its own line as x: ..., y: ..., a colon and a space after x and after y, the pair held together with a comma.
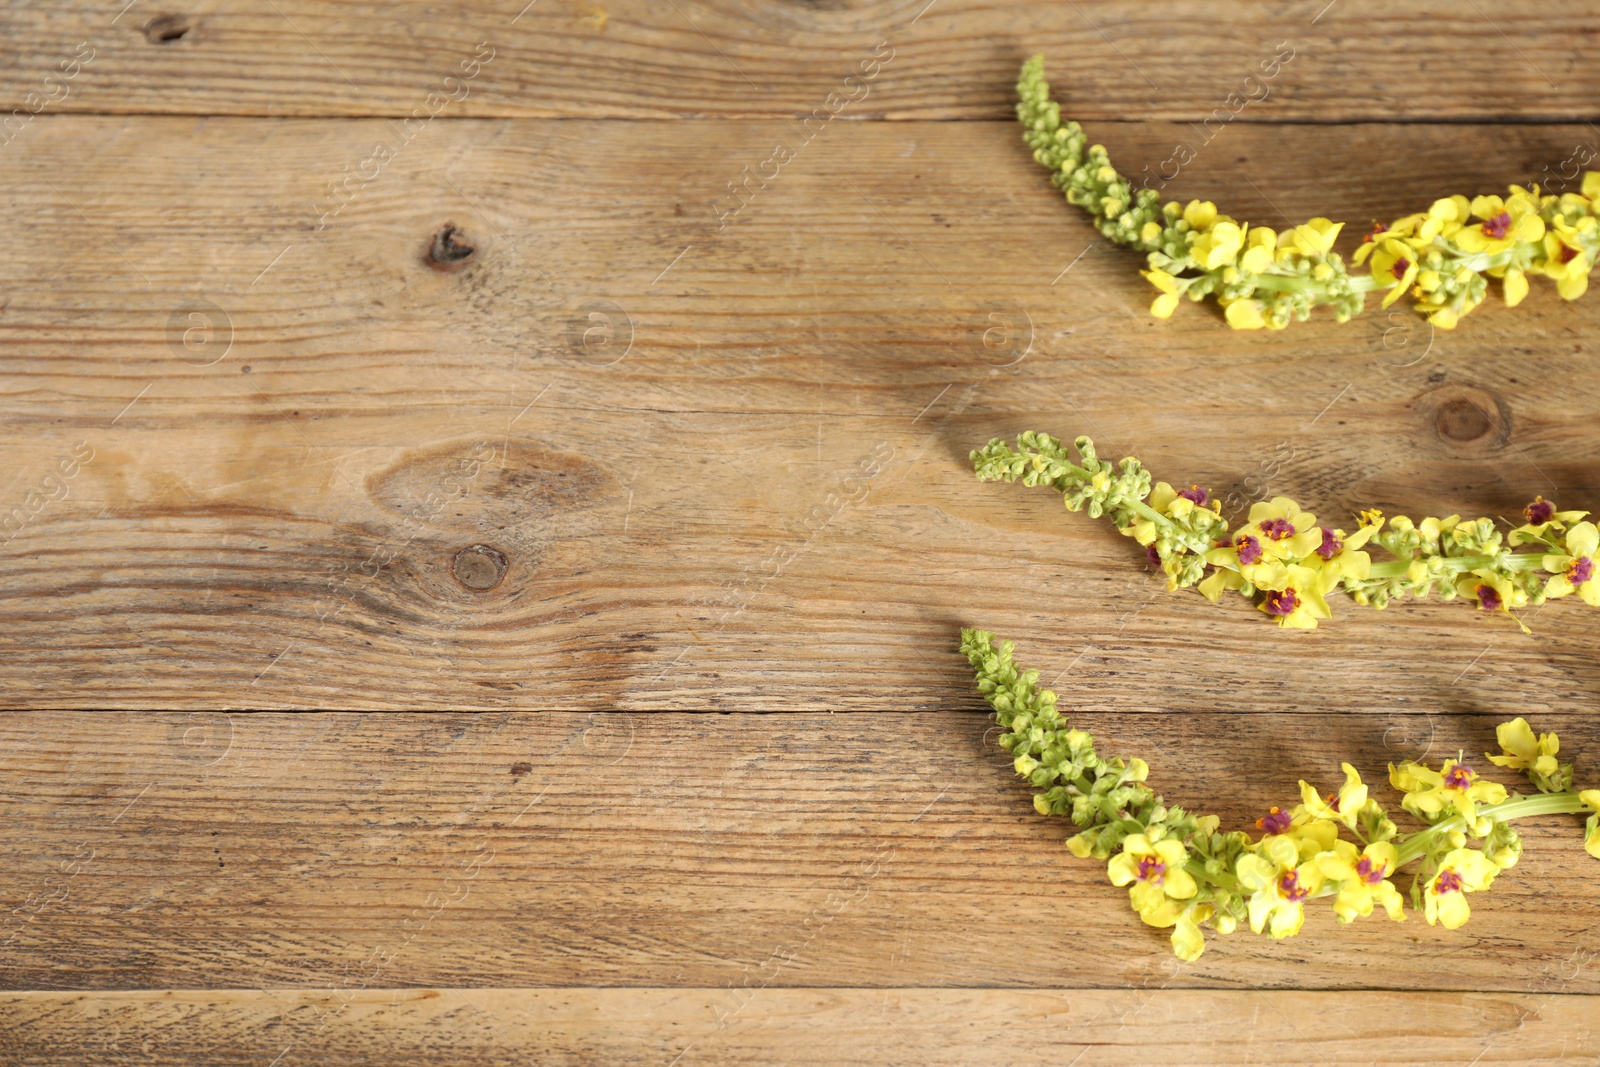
x: 763, y: 501
x: 822, y: 1027
x: 525, y: 410
x: 1182, y: 59
x: 263, y: 851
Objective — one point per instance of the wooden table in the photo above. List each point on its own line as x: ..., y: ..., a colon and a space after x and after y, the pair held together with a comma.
x: 489, y: 361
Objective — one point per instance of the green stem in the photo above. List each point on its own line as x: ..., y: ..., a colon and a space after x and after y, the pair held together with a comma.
x: 1518, y: 807
x: 1526, y: 561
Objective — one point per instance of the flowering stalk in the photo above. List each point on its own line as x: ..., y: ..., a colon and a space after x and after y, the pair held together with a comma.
x: 1183, y: 872
x: 1287, y: 563
x: 1262, y: 277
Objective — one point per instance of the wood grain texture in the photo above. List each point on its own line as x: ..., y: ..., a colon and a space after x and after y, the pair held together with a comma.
x: 756, y: 496
x: 702, y: 851
x: 1183, y: 59
x: 828, y: 1028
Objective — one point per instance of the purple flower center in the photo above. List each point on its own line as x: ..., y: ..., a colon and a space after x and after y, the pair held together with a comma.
x: 1331, y: 546
x: 1289, y: 886
x: 1151, y: 869
x: 1540, y: 511
x: 1580, y: 570
x: 1489, y: 598
x: 1448, y: 882
x: 1278, y: 529
x: 1249, y: 549
x: 1153, y: 556
x: 1498, y: 226
x: 1275, y: 821
x: 1458, y: 777
x: 1369, y: 873
x: 1280, y: 601
x: 1196, y: 495
x: 1400, y: 267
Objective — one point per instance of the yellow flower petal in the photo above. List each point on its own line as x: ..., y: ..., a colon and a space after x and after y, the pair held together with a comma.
x: 1516, y: 287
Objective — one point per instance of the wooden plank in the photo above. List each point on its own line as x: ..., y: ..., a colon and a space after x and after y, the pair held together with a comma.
x: 763, y: 502
x: 843, y: 1027
x: 699, y: 851
x: 1186, y: 59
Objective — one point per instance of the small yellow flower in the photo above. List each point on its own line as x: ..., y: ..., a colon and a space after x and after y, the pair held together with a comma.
x: 1574, y: 571
x: 1245, y: 314
x: 1454, y: 786
x: 1341, y: 554
x: 1292, y: 594
x: 1282, y: 530
x: 1395, y: 264
x: 1219, y: 581
x: 1462, y: 871
x: 1515, y: 286
x: 1343, y: 806
x: 1200, y: 214
x: 1363, y: 880
x: 1215, y: 247
x: 1170, y: 287
x: 1505, y: 223
x: 1523, y: 749
x: 1566, y: 263
x: 1278, y: 886
x: 1188, y: 943
x: 1492, y: 591
x: 1261, y: 245
x: 1154, y: 874
x: 1313, y: 238
x: 1591, y: 840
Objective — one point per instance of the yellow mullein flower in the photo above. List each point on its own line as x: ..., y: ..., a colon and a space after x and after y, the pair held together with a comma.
x: 1566, y: 263
x: 1462, y: 871
x: 1514, y: 286
x: 1492, y: 591
x: 1187, y: 941
x: 1543, y: 518
x: 1313, y: 238
x: 1292, y: 594
x: 1170, y: 287
x: 1591, y: 838
x: 1278, y: 886
x: 1342, y: 556
x: 1216, y: 246
x: 1524, y: 749
x: 1158, y: 880
x: 1200, y: 214
x: 1505, y: 222
x: 1219, y: 581
x: 1433, y: 529
x: 1343, y: 806
x: 1363, y: 880
x: 1245, y: 314
x: 1261, y: 244
x: 1454, y: 786
x: 1282, y: 530
x: 1395, y: 263
x: 1574, y: 570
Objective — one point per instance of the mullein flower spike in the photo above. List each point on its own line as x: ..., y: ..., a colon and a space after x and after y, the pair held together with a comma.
x: 1264, y: 278
x: 1287, y: 561
x: 1183, y: 872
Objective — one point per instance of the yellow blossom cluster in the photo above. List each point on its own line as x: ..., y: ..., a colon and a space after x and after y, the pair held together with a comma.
x: 1263, y: 277
x: 1183, y: 873
x: 1287, y: 561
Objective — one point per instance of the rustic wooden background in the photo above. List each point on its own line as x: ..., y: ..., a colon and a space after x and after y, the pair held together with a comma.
x: 679, y: 508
